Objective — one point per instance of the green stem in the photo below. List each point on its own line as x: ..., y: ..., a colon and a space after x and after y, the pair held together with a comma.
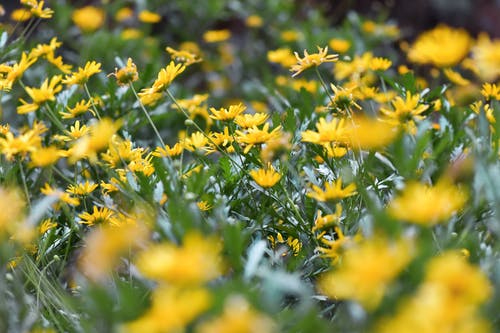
x: 324, y: 85
x: 25, y: 186
x: 148, y: 117
x: 91, y: 101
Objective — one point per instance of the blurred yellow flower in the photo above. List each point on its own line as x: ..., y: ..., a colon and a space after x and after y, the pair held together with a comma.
x: 380, y: 64
x: 282, y: 56
x: 442, y: 47
x: 427, y: 205
x: 88, y: 18
x: 366, y: 271
x: 254, y: 21
x: 455, y: 77
x: 339, y: 45
x: 147, y: 16
x: 363, y: 132
x: 486, y: 57
x: 238, y: 317
x: 194, y: 262
x: 12, y: 204
x: 215, y: 36
x: 45, y: 156
x: 20, y: 15
x: 183, y: 56
x: 124, y: 14
x: 172, y: 309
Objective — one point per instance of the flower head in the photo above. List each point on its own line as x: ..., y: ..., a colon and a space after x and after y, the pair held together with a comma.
x: 333, y: 191
x: 88, y: 18
x: 265, y: 177
x: 83, y: 74
x: 312, y: 60
x: 427, y: 205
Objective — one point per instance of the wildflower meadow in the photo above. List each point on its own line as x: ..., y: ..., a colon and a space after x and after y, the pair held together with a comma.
x: 245, y: 167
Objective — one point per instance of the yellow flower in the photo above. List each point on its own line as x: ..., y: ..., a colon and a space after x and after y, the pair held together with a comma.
x: 183, y: 56
x: 366, y: 271
x: 486, y: 57
x: 104, y: 246
x: 17, y: 70
x: 291, y: 243
x: 38, y: 10
x: 253, y: 136
x: 312, y: 60
x: 20, y: 15
x: 364, y: 132
x: 265, y: 177
x: 167, y: 75
x: 46, y: 225
x: 427, y: 205
x: 64, y: 197
x: 283, y: 56
x: 12, y: 204
x: 45, y: 93
x: 442, y: 46
x: 26, y: 142
x: 42, y: 50
x: 88, y: 18
x: 214, y: 36
x: 97, y: 139
x: 83, y: 74
x: 455, y: 77
x: 238, y: 317
x: 127, y: 74
x: 380, y: 64
x: 251, y: 120
x: 176, y: 150
x: 194, y: 262
x: 149, y: 17
x: 197, y: 140
x: 323, y: 221
x: 124, y: 14
x: 99, y: 215
x: 254, y: 21
x: 328, y: 131
x: 290, y: 35
x: 339, y: 45
x: 405, y: 111
x: 490, y: 91
x: 229, y: 113
x: 204, y: 205
x: 46, y: 156
x: 79, y: 108
x: 333, y: 191
x: 131, y: 33
x: 446, y: 301
x: 172, y: 309
x: 81, y: 188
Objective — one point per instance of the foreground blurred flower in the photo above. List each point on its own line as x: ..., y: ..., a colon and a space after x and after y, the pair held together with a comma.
x: 447, y: 301
x: 238, y: 317
x: 98, y: 138
x: 333, y: 191
x: 88, y: 18
x: 12, y: 204
x: 486, y: 57
x: 364, y: 132
x: 366, y: 270
x: 427, y: 205
x: 442, y: 47
x: 194, y: 262
x: 104, y: 246
x: 265, y: 177
x: 312, y: 60
x: 171, y: 310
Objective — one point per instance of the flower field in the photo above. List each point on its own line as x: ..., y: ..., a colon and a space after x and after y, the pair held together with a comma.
x: 245, y: 166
